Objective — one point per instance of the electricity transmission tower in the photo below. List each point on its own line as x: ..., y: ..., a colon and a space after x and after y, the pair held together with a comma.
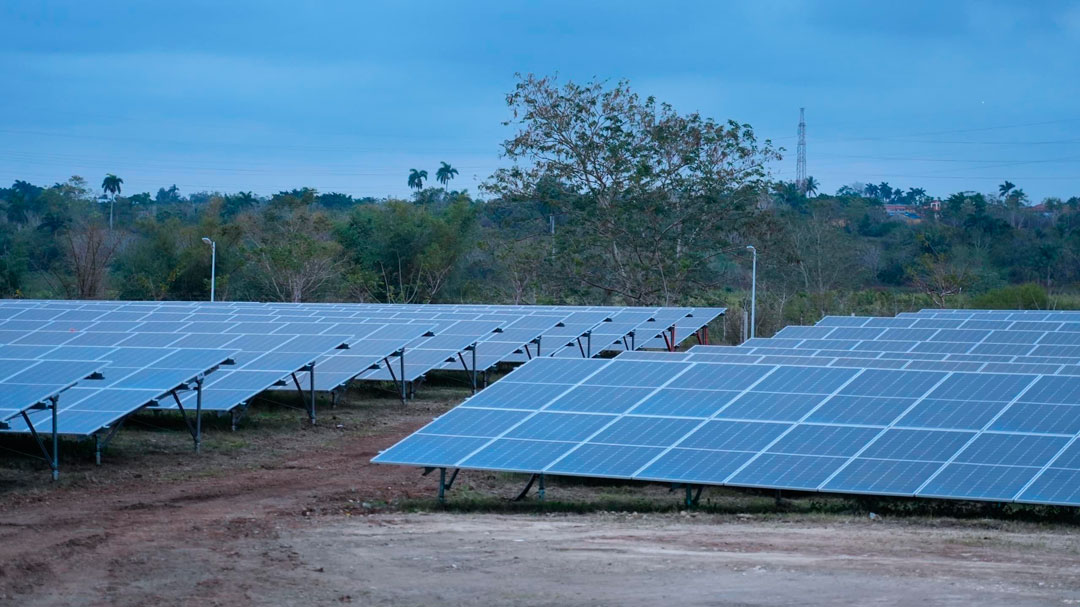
x: 800, y: 162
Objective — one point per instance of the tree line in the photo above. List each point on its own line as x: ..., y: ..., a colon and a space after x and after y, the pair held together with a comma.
x: 610, y: 198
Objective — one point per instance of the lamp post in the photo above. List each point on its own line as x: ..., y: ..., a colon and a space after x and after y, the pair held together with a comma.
x: 213, y: 264
x: 753, y: 290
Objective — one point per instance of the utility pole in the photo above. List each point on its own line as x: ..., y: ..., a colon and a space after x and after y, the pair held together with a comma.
x: 753, y: 290
x: 800, y: 162
x: 213, y: 265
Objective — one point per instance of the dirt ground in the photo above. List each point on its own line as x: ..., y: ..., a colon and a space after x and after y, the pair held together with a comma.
x: 280, y: 513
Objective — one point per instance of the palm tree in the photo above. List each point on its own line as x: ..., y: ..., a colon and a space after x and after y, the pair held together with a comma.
x: 445, y: 174
x: 416, y: 179
x: 811, y: 186
x: 1005, y: 188
x: 111, y: 185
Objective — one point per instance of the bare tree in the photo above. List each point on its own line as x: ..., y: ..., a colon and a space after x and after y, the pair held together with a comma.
x: 89, y: 247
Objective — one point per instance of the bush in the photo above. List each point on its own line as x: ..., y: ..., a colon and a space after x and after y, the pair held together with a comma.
x: 1028, y: 296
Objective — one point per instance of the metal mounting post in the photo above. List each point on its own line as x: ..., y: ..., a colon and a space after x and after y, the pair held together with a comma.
x: 311, y: 392
x: 588, y: 341
x: 195, y: 429
x: 400, y: 381
x: 445, y: 485
x: 52, y: 458
x: 55, y: 464
x: 540, y: 489
x: 692, y: 497
x: 101, y: 443
x: 198, y: 412
x: 525, y: 491
x: 471, y: 371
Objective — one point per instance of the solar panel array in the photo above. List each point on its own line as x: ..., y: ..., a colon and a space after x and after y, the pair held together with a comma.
x: 907, y: 406
x: 271, y: 346
x: 26, y: 383
x: 132, y: 378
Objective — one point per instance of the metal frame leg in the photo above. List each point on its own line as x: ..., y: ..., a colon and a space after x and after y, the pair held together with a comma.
x: 471, y: 371
x: 445, y: 485
x: 52, y: 458
x: 195, y: 429
x: 101, y: 443
x: 525, y: 491
x: 311, y: 393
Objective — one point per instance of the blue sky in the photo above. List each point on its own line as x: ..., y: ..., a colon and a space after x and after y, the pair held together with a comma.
x: 348, y: 96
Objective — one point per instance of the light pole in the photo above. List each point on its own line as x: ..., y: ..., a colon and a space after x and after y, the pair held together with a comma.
x: 213, y: 264
x: 753, y: 290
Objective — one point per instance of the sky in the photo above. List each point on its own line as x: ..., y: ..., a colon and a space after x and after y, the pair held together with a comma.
x: 269, y: 95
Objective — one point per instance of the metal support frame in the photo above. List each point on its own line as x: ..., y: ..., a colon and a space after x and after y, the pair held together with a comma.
x: 669, y: 339
x: 194, y: 428
x: 692, y: 497
x: 445, y: 485
x: 237, y: 413
x: 586, y: 350
x: 101, y: 443
x: 400, y: 382
x: 334, y: 394
x: 471, y: 371
x: 309, y: 398
x: 702, y: 335
x: 539, y: 476
x: 53, y: 457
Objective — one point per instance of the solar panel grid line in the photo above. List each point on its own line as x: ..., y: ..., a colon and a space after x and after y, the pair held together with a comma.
x: 975, y: 436
x: 885, y: 429
x: 789, y: 430
x: 704, y: 422
x: 530, y: 416
x: 1049, y: 464
x: 616, y: 418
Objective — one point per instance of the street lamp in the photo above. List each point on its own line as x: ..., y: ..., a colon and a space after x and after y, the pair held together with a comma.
x: 213, y: 264
x: 753, y: 290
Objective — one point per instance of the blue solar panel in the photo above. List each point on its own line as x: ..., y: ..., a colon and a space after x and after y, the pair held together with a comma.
x: 1055, y: 486
x: 824, y: 440
x: 979, y: 482
x: 781, y: 471
x: 734, y: 435
x: 555, y: 426
x: 611, y: 461
x: 678, y: 402
x: 950, y: 414
x: 600, y: 399
x: 1012, y: 449
x: 517, y: 455
x: 771, y: 406
x: 513, y: 395
x: 465, y: 421
x: 696, y: 465
x: 882, y: 477
x: 869, y: 410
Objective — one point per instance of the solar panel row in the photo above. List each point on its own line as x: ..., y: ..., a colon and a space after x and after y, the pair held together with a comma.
x: 906, y: 406
x: 318, y: 346
x: 882, y: 431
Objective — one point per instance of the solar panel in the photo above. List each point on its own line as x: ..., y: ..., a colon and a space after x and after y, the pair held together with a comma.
x: 27, y: 383
x: 680, y: 419
x: 133, y: 378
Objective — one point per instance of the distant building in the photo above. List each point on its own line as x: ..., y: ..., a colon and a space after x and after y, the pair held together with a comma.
x: 903, y: 212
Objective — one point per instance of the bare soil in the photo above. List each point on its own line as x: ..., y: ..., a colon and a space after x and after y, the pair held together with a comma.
x: 282, y: 513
